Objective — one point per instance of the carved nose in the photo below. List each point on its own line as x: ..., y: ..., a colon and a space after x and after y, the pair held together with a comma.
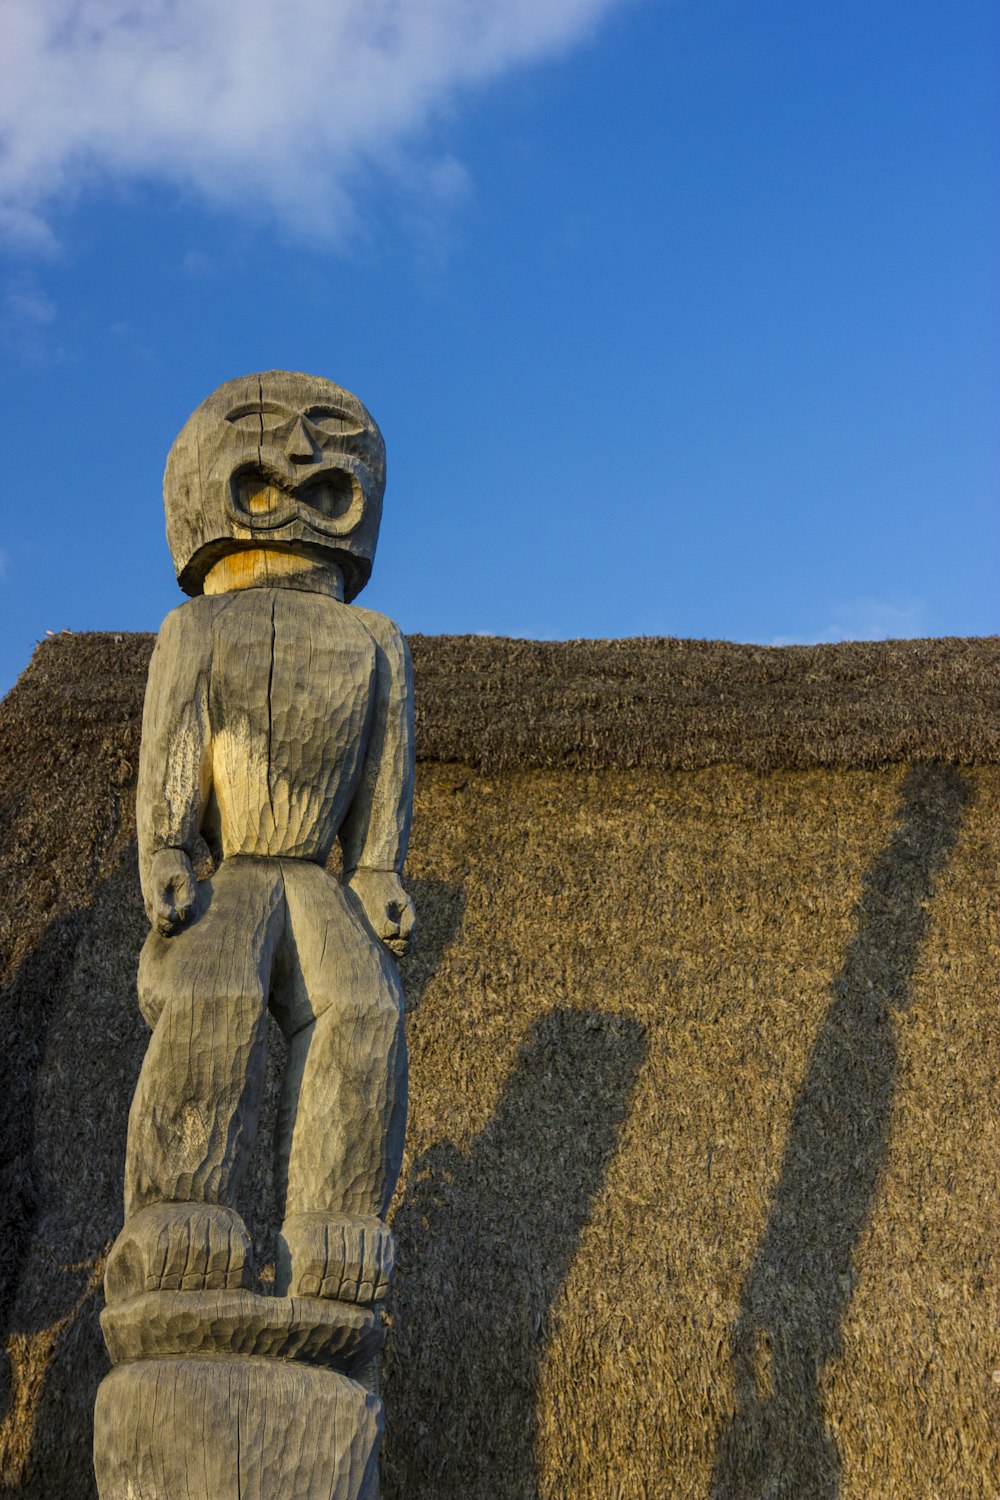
x: 300, y: 447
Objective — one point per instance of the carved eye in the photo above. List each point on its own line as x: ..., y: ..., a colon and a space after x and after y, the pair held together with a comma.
x: 259, y: 414
x: 331, y: 420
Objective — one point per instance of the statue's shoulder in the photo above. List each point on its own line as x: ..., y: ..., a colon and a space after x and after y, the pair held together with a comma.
x: 195, y: 614
x: 384, y: 631
x: 191, y: 621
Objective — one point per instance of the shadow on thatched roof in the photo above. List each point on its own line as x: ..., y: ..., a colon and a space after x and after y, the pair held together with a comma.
x: 694, y: 1199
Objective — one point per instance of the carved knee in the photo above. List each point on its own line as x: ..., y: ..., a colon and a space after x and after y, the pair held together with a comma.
x: 330, y: 1255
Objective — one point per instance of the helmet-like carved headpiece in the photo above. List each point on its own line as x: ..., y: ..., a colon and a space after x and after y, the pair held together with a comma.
x: 279, y: 460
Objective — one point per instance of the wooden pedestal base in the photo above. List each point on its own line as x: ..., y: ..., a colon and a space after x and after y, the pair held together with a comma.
x: 225, y: 1425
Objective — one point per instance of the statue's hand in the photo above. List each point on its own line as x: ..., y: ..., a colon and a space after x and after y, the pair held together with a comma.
x: 174, y: 890
x: 387, y: 907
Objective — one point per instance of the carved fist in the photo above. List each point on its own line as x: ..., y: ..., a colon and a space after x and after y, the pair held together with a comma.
x: 174, y: 890
x: 387, y: 907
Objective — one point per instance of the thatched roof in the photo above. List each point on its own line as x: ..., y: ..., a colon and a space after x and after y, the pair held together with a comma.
x: 663, y: 704
x: 703, y: 1074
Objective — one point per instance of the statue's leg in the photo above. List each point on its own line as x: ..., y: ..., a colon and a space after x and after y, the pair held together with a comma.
x: 208, y: 1397
x: 196, y: 1105
x: 343, y: 1115
x: 197, y: 1102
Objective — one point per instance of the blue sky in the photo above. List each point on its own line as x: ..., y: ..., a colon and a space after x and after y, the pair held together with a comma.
x: 679, y: 318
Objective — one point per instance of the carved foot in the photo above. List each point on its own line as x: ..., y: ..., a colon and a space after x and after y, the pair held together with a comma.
x: 178, y: 1247
x: 327, y: 1255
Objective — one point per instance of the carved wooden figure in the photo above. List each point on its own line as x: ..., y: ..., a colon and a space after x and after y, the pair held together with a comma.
x: 278, y: 719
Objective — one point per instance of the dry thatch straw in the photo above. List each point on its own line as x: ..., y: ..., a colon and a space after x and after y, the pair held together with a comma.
x: 681, y: 705
x: 702, y: 1075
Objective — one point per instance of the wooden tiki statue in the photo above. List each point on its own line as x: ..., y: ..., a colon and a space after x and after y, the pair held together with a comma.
x: 278, y: 719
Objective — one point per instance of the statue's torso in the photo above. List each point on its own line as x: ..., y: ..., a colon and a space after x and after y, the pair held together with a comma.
x: 292, y: 682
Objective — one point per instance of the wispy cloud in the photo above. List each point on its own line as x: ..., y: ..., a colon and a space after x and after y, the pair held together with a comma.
x: 25, y: 305
x: 284, y: 103
x: 27, y: 320
x: 864, y: 620
x: 196, y: 263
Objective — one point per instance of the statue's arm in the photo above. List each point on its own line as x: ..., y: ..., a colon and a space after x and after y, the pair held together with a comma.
x: 375, y: 833
x: 174, y: 765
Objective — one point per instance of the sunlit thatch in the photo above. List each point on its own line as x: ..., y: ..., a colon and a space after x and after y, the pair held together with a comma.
x: 703, y: 1114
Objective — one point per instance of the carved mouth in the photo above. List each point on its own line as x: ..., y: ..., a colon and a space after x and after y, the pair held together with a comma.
x: 267, y: 501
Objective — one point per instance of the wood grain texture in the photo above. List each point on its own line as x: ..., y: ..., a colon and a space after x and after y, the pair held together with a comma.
x: 276, y: 459
x: 350, y: 1259
x: 261, y: 566
x: 282, y: 933
x: 246, y: 1429
x: 377, y: 827
x: 178, y: 1246
x: 174, y: 756
x: 314, y: 1330
x: 194, y: 1113
x: 278, y: 718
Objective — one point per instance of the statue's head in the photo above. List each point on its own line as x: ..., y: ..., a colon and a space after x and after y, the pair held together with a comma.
x: 279, y: 460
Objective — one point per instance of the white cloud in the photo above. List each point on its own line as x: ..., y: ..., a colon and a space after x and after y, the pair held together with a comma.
x: 25, y: 305
x: 29, y: 321
x: 282, y: 104
x: 864, y: 620
x: 196, y: 263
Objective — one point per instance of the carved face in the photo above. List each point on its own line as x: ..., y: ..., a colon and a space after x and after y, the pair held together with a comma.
x: 278, y: 459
